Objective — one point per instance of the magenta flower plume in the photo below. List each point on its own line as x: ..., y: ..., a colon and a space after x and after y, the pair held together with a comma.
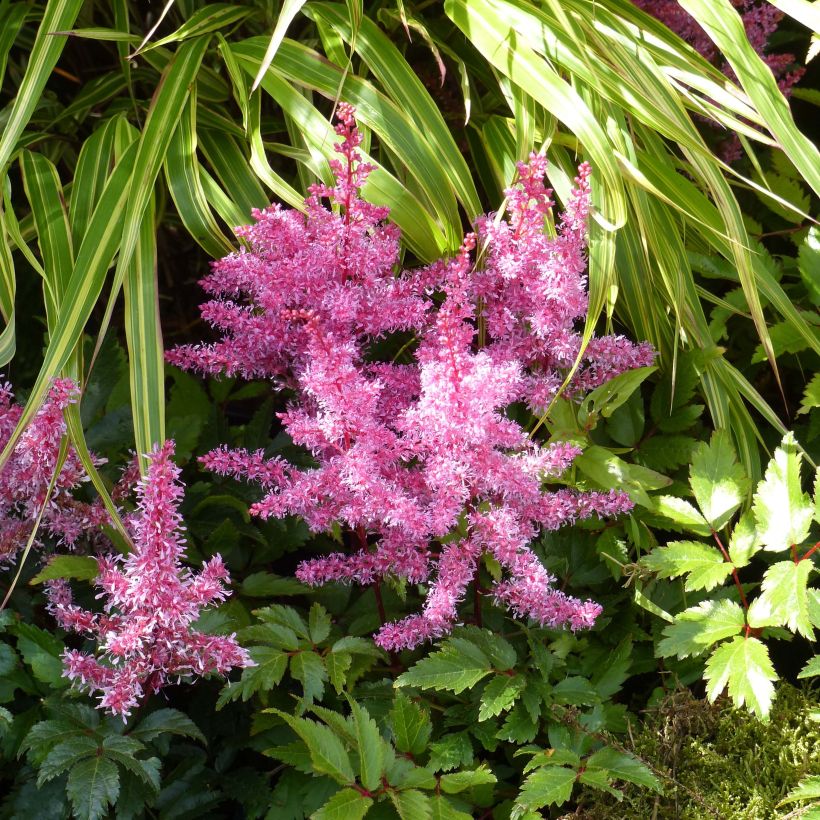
x: 145, y: 636
x: 418, y: 461
x: 25, y: 478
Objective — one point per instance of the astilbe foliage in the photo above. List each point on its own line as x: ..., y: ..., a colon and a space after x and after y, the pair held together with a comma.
x: 144, y: 635
x: 27, y: 475
x: 418, y: 461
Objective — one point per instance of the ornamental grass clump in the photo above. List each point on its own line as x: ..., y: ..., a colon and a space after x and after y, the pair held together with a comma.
x: 419, y: 461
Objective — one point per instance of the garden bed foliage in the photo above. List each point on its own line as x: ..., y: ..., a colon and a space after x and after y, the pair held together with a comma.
x: 483, y: 483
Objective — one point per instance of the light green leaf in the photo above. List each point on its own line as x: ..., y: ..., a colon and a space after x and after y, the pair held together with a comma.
x: 743, y: 543
x: 783, y: 511
x: 318, y: 623
x: 371, y: 747
x: 289, y: 10
x: 607, y: 398
x: 459, y: 781
x: 410, y: 724
x: 347, y: 804
x: 451, y: 752
x: 443, y: 809
x: 807, y: 789
x: 455, y: 667
x: 547, y: 786
x: 703, y: 564
x: 308, y: 669
x: 784, y: 599
x: 93, y: 785
x: 337, y: 664
x: 811, y: 669
x: 682, y: 513
x: 500, y: 694
x: 411, y: 804
x: 42, y: 651
x: 79, y: 567
x: 327, y: 753
x: 698, y: 627
x: 744, y: 665
x: 623, y: 766
x: 811, y: 395
x: 718, y: 482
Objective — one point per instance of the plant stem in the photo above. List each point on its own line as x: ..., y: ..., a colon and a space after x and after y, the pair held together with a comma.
x: 734, y: 570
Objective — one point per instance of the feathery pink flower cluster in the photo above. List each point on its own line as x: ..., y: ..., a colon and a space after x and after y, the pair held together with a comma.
x: 760, y: 20
x: 145, y: 635
x: 419, y: 460
x: 26, y: 476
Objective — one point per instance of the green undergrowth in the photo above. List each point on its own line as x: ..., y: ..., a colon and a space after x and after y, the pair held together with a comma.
x: 717, y: 763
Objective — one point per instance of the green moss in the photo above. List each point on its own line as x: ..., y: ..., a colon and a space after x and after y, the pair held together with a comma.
x: 718, y: 761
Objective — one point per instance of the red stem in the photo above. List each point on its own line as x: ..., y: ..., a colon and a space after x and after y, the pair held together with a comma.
x: 810, y: 552
x: 734, y: 572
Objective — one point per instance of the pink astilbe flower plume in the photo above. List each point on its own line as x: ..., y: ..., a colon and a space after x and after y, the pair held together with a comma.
x: 418, y: 462
x: 144, y: 635
x: 27, y: 475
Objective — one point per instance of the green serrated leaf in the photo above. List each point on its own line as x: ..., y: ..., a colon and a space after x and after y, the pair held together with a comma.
x: 459, y: 781
x: 623, y: 766
x: 806, y: 789
x: 65, y: 755
x: 327, y: 753
x: 782, y: 510
x: 547, y: 786
x: 500, y: 694
x: 744, y: 665
x: 410, y: 724
x: 337, y: 665
x: 42, y: 652
x: 451, y: 752
x: 371, y: 747
x: 347, y: 804
x: 411, y: 804
x: 78, y: 567
x: 698, y: 627
x: 271, y: 664
x: 784, y: 599
x: 455, y: 667
x: 811, y: 396
x: 166, y: 721
x: 718, y: 481
x: 743, y: 543
x: 519, y: 726
x: 318, y: 623
x: 702, y: 563
x: 811, y: 669
x: 681, y: 512
x: 93, y: 785
x: 442, y: 809
x: 309, y: 670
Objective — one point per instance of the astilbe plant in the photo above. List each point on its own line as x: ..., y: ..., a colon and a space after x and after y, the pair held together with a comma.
x: 27, y: 476
x: 145, y: 635
x: 418, y: 461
